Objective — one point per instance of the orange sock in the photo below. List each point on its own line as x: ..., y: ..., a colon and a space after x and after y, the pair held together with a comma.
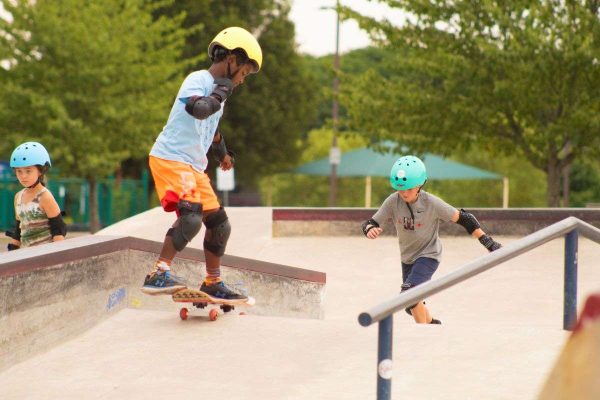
x: 211, y: 280
x: 162, y: 265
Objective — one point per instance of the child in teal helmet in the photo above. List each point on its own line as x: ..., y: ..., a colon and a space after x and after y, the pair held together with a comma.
x: 416, y: 215
x: 38, y: 217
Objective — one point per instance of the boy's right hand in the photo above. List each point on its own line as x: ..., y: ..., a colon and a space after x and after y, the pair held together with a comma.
x: 374, y: 232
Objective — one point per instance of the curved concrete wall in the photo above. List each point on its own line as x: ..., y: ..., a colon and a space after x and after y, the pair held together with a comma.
x: 347, y: 221
x: 50, y: 293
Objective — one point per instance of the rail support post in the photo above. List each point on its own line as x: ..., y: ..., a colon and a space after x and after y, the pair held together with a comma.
x: 384, y: 358
x: 570, y: 293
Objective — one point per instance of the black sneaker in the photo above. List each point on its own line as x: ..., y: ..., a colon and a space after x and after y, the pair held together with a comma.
x: 435, y: 321
x: 162, y: 283
x: 222, y: 291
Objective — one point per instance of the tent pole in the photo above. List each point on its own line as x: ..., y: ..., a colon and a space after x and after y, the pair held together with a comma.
x: 368, y: 192
x: 505, y: 192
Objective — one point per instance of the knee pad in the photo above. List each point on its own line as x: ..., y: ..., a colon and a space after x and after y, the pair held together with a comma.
x: 409, y: 309
x: 187, y: 225
x: 217, y: 233
x: 405, y: 286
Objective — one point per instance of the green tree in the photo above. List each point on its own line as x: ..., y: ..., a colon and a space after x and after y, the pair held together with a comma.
x: 527, y: 185
x: 585, y: 183
x: 90, y: 80
x: 512, y: 76
x: 265, y: 118
x: 353, y: 63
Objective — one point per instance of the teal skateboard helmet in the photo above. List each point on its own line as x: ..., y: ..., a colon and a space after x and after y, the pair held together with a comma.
x: 408, y: 172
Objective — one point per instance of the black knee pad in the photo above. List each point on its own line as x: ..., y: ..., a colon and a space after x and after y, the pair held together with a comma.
x: 217, y: 233
x: 187, y: 225
x: 409, y: 309
x: 405, y: 286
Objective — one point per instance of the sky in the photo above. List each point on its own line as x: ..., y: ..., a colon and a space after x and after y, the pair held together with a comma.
x: 315, y: 27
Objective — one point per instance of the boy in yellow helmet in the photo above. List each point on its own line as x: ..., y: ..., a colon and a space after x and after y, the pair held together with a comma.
x: 178, y: 161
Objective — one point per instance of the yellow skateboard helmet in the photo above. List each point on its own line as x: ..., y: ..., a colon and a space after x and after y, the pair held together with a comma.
x: 238, y: 38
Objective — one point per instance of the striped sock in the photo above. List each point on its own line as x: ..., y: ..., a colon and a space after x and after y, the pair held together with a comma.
x: 213, y: 275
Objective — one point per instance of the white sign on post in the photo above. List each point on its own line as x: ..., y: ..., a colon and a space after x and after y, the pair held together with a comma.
x: 225, y: 180
x: 335, y: 155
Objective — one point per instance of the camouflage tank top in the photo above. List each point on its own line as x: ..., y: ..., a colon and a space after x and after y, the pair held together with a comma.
x: 35, y: 227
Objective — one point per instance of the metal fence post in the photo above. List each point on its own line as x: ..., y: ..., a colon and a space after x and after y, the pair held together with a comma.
x: 570, y: 295
x: 384, y: 358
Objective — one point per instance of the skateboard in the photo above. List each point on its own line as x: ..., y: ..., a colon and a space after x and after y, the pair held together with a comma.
x: 200, y: 299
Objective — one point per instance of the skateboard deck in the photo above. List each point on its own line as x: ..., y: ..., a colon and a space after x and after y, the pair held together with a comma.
x: 200, y: 299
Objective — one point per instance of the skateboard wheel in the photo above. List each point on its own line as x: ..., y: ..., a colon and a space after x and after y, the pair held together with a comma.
x: 213, y: 314
x: 183, y: 313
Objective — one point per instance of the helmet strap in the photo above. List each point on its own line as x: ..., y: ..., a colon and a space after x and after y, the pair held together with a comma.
x: 40, y: 178
x: 230, y: 75
x: 36, y: 183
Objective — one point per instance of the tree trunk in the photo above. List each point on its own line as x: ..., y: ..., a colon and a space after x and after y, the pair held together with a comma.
x: 566, y: 185
x: 553, y: 179
x: 93, y: 204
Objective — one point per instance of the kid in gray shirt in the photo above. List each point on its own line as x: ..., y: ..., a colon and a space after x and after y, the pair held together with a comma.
x: 416, y: 215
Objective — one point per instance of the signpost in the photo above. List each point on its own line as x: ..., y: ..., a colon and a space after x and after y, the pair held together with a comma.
x: 225, y: 184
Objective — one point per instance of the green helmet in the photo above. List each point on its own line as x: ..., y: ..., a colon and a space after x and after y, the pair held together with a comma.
x: 408, y: 172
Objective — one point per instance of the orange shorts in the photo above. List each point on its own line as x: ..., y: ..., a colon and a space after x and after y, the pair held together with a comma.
x: 176, y: 180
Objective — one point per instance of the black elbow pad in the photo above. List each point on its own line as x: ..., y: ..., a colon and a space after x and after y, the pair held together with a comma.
x: 468, y: 221
x: 57, y: 226
x: 16, y: 232
x: 202, y: 107
x: 219, y: 149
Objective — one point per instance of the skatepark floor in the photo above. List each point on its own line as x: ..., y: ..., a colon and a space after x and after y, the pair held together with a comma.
x: 501, y: 332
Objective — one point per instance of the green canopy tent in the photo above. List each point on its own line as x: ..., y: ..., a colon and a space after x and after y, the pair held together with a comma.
x: 368, y: 163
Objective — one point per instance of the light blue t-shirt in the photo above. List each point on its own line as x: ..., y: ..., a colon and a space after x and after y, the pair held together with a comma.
x: 185, y: 138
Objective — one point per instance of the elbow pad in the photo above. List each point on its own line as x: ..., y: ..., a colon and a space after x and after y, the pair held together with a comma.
x: 57, y: 226
x: 202, y: 107
x: 368, y: 225
x: 468, y: 221
x: 16, y: 233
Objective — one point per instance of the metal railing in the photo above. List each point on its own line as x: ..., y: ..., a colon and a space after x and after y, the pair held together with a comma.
x: 384, y: 312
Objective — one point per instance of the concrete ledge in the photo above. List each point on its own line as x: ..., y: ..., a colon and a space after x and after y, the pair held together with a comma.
x: 50, y: 293
x: 347, y: 221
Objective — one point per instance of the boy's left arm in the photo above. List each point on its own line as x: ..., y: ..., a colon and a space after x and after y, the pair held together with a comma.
x: 471, y: 225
